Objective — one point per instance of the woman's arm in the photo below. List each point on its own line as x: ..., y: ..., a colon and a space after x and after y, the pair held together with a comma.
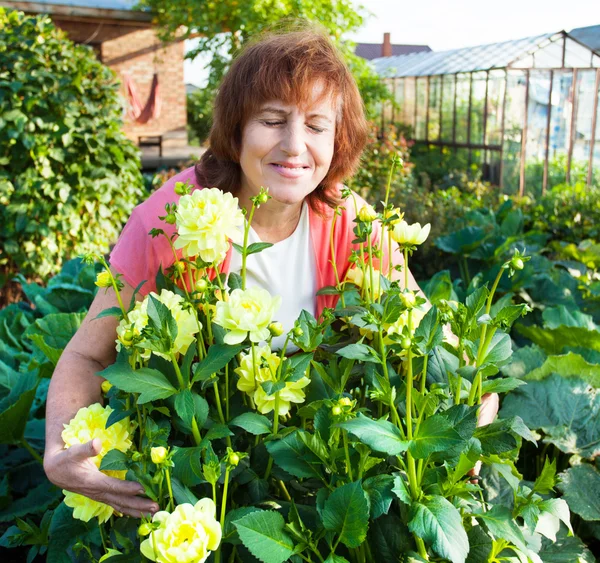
x: 74, y: 385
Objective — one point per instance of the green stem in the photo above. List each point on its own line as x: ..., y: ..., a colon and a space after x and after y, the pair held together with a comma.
x: 347, y: 453
x: 168, y: 476
x: 333, y: 258
x: 219, y: 408
x: 244, y: 255
x: 177, y: 371
x: 383, y: 355
x: 370, y: 262
x: 421, y: 548
x: 196, y: 432
x: 227, y: 392
x: 102, y: 538
x: 34, y: 454
x: 406, y: 268
x: 274, y: 432
x: 424, y: 374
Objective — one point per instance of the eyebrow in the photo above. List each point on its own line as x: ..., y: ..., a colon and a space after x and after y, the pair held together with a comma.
x: 282, y: 112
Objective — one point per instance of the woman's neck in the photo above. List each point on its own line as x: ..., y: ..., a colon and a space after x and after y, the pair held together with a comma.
x: 273, y: 221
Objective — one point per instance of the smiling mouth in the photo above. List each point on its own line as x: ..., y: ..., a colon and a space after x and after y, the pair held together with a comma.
x: 289, y: 167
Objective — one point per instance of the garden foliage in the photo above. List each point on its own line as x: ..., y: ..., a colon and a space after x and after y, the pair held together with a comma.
x: 69, y: 177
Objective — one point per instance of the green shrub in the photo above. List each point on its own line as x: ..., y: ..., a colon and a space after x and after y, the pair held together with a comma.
x: 68, y: 175
x: 199, y: 114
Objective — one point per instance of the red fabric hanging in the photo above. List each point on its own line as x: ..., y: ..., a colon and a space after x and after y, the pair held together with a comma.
x: 152, y: 108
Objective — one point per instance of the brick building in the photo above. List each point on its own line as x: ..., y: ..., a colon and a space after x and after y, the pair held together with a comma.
x: 125, y: 40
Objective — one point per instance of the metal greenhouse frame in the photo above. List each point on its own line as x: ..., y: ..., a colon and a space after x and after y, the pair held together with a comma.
x: 525, y: 110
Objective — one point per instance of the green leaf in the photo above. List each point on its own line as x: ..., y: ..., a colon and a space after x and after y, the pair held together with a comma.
x: 262, y: 532
x: 439, y: 523
x: 501, y: 385
x: 114, y: 460
x: 499, y: 436
x: 14, y: 409
x: 346, y: 512
x: 161, y: 320
x: 565, y: 549
x: 188, y: 468
x: 580, y: 486
x: 463, y: 241
x: 292, y: 455
x: 182, y: 494
x: 64, y: 529
x: 360, y: 352
x: 499, y: 521
x: 254, y: 423
x: 429, y: 332
x: 53, y: 332
x: 566, y: 410
x: 379, y: 491
x: 480, y: 545
x: 567, y: 365
x: 555, y: 317
x: 110, y: 312
x: 553, y: 341
x: 439, y: 288
x: 37, y: 500
x: 400, y: 489
x: 336, y: 559
x: 435, y: 434
x: 499, y: 349
x: 219, y: 355
x: 258, y: 247
x: 379, y: 435
x: 547, y: 478
x: 150, y: 383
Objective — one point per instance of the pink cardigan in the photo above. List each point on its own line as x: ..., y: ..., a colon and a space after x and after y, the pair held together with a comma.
x: 137, y: 256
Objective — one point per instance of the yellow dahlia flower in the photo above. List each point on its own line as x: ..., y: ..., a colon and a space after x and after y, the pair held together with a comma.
x: 247, y: 313
x: 396, y: 328
x: 355, y: 276
x: 412, y: 235
x: 187, y: 535
x: 261, y: 368
x: 87, y: 424
x: 103, y: 279
x: 85, y: 508
x: 187, y: 326
x: 206, y: 220
x: 90, y: 423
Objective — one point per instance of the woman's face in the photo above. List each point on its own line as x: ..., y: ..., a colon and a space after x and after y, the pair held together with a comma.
x: 288, y: 149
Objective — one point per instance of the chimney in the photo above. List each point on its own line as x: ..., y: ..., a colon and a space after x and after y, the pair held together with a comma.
x: 386, y: 48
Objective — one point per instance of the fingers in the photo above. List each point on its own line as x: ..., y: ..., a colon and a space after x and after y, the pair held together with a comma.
x: 131, y: 506
x: 489, y: 409
x: 84, y: 451
x: 110, y: 485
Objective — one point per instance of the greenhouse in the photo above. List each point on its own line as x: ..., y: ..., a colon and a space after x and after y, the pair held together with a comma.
x: 524, y: 111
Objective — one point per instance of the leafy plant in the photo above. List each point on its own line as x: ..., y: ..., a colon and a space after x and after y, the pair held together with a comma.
x: 69, y: 177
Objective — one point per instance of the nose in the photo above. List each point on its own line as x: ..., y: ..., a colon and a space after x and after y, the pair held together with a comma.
x: 293, y: 142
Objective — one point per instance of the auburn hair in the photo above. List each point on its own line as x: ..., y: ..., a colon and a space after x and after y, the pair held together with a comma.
x: 284, y: 66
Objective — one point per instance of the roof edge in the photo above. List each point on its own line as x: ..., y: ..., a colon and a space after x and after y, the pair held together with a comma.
x: 79, y: 11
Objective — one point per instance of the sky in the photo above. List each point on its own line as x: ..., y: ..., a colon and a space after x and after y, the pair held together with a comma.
x: 451, y: 24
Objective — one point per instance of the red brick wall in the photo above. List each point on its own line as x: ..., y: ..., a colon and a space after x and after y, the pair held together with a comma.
x: 137, y: 51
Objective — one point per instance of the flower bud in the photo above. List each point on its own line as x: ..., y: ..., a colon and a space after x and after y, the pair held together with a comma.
x: 336, y: 410
x: 145, y: 529
x: 181, y: 188
x: 201, y: 285
x: 106, y: 386
x: 127, y: 337
x: 298, y: 332
x: 180, y: 266
x: 345, y: 402
x: 158, y: 454
x: 170, y: 218
x: 406, y: 343
x: 137, y: 456
x: 233, y: 459
x: 103, y: 279
x: 367, y: 214
x: 517, y: 263
x: 276, y: 329
x: 262, y: 197
x: 408, y: 299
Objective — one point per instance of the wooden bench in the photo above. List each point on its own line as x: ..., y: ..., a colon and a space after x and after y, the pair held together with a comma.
x: 151, y: 141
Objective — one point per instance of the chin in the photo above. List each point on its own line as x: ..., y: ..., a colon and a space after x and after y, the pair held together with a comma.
x: 289, y: 195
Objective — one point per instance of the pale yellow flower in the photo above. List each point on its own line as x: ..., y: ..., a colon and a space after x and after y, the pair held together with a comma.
x: 90, y: 423
x: 413, y: 235
x: 187, y: 535
x: 103, y: 279
x: 85, y: 508
x: 206, y: 220
x: 367, y: 214
x: 158, y: 454
x: 260, y: 368
x: 247, y: 313
x: 396, y: 328
x: 355, y: 276
x: 187, y: 326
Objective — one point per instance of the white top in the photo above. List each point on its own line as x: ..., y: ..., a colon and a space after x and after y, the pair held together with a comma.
x: 288, y: 269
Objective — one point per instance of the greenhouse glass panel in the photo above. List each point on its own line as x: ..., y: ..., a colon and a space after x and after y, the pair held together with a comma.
x: 560, y: 127
x: 586, y: 82
x: 493, y: 166
x: 387, y: 106
x: 463, y: 84
x: 576, y: 55
x: 477, y: 107
x: 496, y: 88
x: 399, y: 97
x: 549, y: 56
x: 513, y: 131
x: 525, y: 62
x: 596, y: 156
x: 596, y: 61
x: 537, y: 120
x: 421, y: 97
x: 448, y: 108
x: 433, y: 125
x: 409, y: 102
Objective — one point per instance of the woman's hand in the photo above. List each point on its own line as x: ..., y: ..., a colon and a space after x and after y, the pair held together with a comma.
x: 487, y: 413
x: 73, y: 469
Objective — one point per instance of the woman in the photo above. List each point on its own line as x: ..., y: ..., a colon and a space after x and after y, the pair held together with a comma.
x: 288, y: 116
